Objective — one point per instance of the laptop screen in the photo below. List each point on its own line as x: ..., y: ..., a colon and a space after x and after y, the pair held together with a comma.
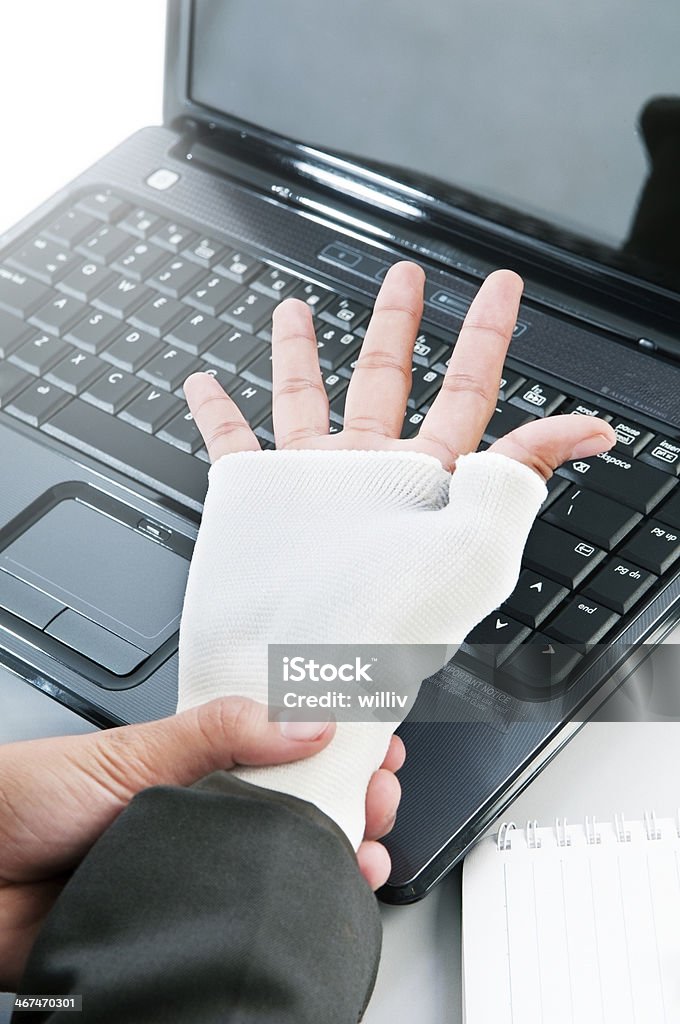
x: 567, y: 113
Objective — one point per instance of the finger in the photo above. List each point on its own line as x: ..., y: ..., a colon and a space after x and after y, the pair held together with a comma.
x: 469, y: 391
x: 382, y: 800
x: 382, y: 378
x: 218, y: 418
x: 395, y: 756
x: 374, y: 863
x: 545, y: 444
x: 300, y: 403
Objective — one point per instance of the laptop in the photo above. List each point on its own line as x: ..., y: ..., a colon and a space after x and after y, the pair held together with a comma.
x: 303, y: 150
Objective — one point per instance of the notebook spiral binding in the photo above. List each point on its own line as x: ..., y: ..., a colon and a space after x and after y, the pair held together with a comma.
x: 592, y: 835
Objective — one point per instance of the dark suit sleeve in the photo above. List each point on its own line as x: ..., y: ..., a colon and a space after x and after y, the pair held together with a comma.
x: 220, y: 903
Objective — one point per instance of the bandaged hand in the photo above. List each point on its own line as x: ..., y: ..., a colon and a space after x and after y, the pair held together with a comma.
x: 360, y: 537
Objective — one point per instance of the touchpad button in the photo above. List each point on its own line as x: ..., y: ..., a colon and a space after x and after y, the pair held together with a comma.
x: 103, y: 569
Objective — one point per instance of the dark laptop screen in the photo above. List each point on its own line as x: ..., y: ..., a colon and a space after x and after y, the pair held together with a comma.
x: 535, y: 106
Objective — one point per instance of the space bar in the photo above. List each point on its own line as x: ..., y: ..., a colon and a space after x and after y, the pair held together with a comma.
x: 135, y: 453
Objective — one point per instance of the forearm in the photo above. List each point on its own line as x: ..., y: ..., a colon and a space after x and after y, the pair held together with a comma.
x: 216, y: 903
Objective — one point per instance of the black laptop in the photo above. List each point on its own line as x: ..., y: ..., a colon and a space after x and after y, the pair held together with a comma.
x: 305, y: 148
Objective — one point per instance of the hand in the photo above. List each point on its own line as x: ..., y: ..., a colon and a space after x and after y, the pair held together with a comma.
x: 57, y: 796
x: 381, y: 382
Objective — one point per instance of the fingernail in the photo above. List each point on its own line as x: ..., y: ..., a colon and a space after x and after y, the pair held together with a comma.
x: 302, y: 730
x: 592, y: 446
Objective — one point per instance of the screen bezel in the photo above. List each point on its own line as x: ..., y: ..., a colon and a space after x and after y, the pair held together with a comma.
x: 456, y: 209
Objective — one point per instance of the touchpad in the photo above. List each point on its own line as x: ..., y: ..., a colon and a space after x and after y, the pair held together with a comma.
x: 116, y: 573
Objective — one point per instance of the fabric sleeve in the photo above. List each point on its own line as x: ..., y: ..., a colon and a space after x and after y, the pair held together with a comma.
x: 223, y: 902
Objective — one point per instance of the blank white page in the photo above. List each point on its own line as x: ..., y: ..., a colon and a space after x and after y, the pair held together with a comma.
x: 585, y: 933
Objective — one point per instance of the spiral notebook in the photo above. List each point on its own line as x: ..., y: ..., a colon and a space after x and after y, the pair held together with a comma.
x: 574, y: 924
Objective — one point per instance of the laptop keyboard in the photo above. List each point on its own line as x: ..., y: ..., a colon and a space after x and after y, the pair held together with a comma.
x: 107, y: 309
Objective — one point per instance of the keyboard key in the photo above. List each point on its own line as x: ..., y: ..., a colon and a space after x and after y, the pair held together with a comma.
x: 579, y: 408
x: 663, y: 453
x: 12, y: 380
x: 495, y: 638
x: 104, y: 206
x: 76, y: 372
x: 250, y: 312
x: 412, y: 421
x: 94, y: 332
x: 12, y: 333
x: 630, y: 437
x: 554, y: 553
x: 70, y: 227
x: 581, y: 623
x: 275, y: 283
x: 425, y: 386
x: 592, y: 516
x: 132, y: 349
x: 510, y: 382
x: 335, y: 346
x: 265, y: 432
x: 556, y: 485
x: 619, y: 585
x: 39, y: 353
x: 346, y: 313
x: 206, y: 252
x: 122, y: 297
x: 113, y: 390
x: 85, y: 280
x: 151, y: 409
x: 336, y: 408
x: 620, y: 478
x: 169, y: 368
x: 58, y: 315
x: 43, y: 259
x: 654, y: 546
x: 20, y: 294
x: 123, y: 446
x: 538, y: 398
x: 334, y: 384
x: 176, y: 277
x: 37, y: 403
x: 534, y: 598
x: 174, y: 237
x: 670, y: 510
x: 260, y: 372
x: 428, y: 350
x: 314, y: 295
x: 542, y: 664
x: 234, y: 351
x: 213, y: 294
x: 224, y: 377
x: 142, y: 223
x: 183, y: 433
x: 254, y: 402
x: 104, y: 245
x: 239, y: 266
x: 140, y: 260
x: 195, y: 333
x: 158, y: 315
x: 506, y: 418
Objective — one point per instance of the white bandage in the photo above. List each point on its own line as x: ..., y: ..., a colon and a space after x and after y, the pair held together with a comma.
x: 346, y: 547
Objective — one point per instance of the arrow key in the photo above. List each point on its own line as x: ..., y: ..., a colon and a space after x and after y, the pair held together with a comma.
x: 534, y: 598
x: 542, y: 663
x: 495, y: 638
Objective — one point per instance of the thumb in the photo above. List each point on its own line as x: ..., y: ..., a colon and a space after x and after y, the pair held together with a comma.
x: 61, y: 794
x: 185, y: 747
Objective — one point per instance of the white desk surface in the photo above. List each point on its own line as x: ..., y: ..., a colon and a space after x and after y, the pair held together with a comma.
x: 607, y: 767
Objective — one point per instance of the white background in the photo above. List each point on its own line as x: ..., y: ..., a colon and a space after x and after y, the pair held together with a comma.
x: 76, y: 77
